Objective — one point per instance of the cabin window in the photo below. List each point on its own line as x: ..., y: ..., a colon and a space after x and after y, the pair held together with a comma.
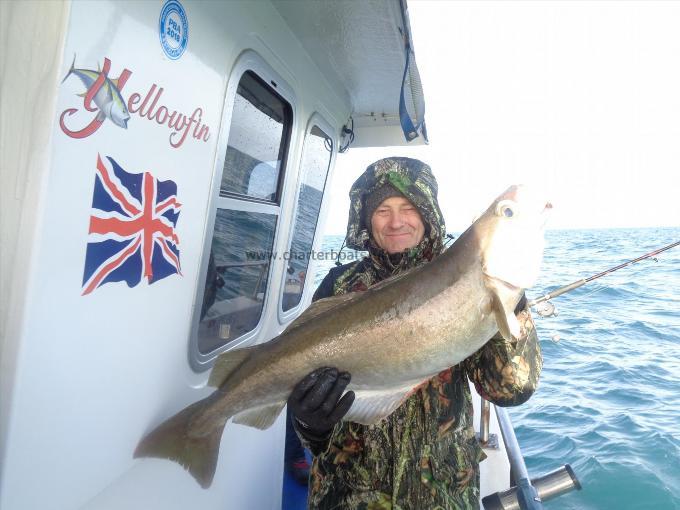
x: 252, y: 165
x: 316, y: 160
x: 246, y: 215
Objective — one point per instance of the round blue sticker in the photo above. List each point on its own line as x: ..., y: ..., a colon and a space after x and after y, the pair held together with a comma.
x: 173, y: 29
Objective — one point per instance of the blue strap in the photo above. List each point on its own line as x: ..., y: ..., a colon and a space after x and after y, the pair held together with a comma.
x: 411, y: 131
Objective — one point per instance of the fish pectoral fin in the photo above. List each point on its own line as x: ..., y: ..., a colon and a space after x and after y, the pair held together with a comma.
x: 108, y: 109
x: 508, y: 325
x: 226, y: 364
x: 261, y: 417
x: 101, y: 116
x: 369, y: 407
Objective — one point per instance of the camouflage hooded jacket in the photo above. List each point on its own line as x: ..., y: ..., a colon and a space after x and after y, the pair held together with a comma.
x: 425, y: 454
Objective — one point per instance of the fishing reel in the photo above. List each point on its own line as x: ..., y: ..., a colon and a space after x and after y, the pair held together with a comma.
x: 546, y: 309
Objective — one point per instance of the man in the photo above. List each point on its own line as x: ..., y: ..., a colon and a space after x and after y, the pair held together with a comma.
x: 425, y: 454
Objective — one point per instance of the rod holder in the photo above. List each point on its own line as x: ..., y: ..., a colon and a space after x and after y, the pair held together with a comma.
x: 548, y: 486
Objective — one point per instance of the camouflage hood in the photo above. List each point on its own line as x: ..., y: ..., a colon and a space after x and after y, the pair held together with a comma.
x: 414, y: 180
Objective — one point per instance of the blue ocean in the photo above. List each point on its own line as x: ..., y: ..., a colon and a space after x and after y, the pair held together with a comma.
x: 609, y: 396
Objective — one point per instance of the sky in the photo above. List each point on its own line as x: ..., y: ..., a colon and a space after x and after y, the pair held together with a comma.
x: 579, y: 99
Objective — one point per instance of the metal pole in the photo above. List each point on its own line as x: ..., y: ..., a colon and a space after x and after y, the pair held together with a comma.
x: 527, y: 494
x: 549, y: 486
x: 485, y: 418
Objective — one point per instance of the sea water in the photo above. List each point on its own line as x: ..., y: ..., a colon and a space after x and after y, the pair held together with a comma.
x: 608, y: 402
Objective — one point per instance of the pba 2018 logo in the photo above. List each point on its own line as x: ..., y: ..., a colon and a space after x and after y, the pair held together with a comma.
x: 173, y: 29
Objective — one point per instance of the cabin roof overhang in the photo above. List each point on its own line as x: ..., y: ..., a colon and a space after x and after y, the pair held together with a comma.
x: 363, y: 47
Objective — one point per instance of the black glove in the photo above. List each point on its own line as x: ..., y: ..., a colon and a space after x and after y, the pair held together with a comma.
x: 315, y: 402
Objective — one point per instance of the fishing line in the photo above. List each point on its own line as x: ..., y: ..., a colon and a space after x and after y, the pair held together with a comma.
x: 551, y: 310
x: 547, y: 308
x: 611, y: 284
x: 578, y: 283
x: 342, y: 247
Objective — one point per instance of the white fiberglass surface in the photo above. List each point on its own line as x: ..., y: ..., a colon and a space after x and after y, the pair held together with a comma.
x: 102, y: 360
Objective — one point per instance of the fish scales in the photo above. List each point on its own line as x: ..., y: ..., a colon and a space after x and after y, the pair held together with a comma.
x: 364, y: 337
x: 391, y: 338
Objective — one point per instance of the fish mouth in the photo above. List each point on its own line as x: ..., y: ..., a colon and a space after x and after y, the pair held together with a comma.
x: 545, y: 214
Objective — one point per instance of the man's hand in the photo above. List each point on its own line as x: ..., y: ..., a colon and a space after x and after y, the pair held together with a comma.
x: 315, y: 402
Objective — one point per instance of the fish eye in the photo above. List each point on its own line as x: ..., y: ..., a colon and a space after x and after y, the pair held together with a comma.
x: 506, y: 208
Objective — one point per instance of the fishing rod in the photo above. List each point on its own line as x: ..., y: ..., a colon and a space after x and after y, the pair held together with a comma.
x: 549, y: 309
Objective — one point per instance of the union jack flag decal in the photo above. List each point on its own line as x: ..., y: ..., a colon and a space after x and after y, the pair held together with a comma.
x: 132, y: 228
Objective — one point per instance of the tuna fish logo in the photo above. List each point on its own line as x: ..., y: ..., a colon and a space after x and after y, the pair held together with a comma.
x: 105, y: 93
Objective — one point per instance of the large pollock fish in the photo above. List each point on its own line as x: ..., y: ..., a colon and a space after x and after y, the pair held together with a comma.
x: 390, y: 338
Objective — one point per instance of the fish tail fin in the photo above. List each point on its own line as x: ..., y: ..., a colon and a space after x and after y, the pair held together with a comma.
x: 73, y: 66
x: 174, y: 440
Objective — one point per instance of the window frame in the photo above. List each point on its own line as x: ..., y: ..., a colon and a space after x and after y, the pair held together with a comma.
x: 316, y: 119
x: 249, y: 60
x: 286, y: 138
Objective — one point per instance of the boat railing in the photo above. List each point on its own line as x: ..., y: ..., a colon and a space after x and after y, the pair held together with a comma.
x: 485, y: 419
x: 525, y: 494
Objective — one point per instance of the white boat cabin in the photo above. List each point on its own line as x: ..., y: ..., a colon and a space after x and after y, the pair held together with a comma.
x: 153, y: 154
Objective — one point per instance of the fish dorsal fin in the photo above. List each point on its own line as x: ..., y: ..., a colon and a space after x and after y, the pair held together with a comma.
x: 321, y: 306
x: 261, y: 417
x: 225, y: 364
x: 369, y: 407
x: 508, y: 325
x: 84, y: 94
x: 390, y: 280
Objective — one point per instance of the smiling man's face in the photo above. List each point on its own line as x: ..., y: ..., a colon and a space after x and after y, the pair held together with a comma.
x: 396, y: 225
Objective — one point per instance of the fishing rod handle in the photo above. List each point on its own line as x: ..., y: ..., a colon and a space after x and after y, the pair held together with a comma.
x: 558, y: 292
